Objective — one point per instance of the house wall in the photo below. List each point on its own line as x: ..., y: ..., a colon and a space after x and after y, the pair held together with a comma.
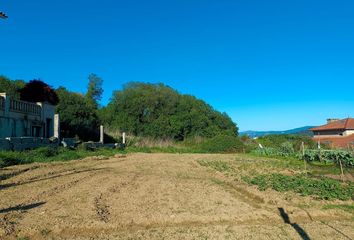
x: 24, y: 143
x: 19, y: 118
x: 47, y: 115
x: 348, y: 132
x: 329, y: 133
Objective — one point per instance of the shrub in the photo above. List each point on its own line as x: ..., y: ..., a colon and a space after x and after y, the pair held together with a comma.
x: 223, y: 144
x: 287, y: 147
x: 276, y: 141
x: 45, y: 152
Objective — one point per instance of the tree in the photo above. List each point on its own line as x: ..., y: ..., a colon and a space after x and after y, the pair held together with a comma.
x: 11, y: 88
x: 157, y: 110
x: 38, y: 91
x: 77, y: 118
x: 94, y: 90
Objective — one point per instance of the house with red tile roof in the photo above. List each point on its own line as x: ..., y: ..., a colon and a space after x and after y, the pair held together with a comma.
x: 337, y: 133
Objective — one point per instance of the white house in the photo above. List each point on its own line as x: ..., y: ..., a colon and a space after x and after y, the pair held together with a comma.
x: 26, y: 119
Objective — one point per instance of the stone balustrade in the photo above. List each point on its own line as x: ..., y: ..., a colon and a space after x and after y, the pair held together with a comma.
x: 25, y: 107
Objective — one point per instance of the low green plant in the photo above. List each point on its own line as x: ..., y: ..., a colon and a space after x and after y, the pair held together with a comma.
x: 334, y: 156
x: 345, y: 207
x: 49, y: 154
x: 323, y: 188
x: 217, y: 165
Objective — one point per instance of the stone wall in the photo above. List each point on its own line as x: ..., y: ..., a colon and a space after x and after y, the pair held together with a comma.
x: 24, y: 143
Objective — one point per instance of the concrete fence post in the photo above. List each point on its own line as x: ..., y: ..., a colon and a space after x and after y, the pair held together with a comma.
x: 123, y: 138
x: 57, y: 126
x: 101, y: 134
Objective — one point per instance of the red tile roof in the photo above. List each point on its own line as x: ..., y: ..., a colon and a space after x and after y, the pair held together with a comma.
x: 344, y: 124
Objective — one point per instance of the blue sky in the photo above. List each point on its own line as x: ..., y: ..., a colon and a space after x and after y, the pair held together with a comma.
x: 271, y: 65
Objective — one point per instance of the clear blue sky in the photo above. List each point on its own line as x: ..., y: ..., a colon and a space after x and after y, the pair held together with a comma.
x: 271, y: 65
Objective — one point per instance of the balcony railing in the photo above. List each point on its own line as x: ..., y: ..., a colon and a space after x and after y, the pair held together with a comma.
x: 25, y: 107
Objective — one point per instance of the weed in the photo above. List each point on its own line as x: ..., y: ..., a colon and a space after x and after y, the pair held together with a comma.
x: 22, y: 238
x: 217, y: 165
x: 48, y: 154
x: 217, y: 181
x: 345, y: 207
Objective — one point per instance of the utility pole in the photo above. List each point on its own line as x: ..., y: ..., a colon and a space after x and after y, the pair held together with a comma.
x: 3, y: 15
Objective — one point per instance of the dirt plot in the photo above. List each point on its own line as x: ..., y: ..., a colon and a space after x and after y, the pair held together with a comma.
x: 157, y: 196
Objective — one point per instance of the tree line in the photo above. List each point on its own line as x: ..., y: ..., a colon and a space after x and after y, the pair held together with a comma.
x: 141, y: 109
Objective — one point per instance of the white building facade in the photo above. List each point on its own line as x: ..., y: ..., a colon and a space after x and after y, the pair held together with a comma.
x: 26, y: 119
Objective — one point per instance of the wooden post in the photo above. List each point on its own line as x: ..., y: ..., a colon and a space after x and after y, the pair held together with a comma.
x: 319, y: 151
x: 341, y: 169
x: 303, y: 156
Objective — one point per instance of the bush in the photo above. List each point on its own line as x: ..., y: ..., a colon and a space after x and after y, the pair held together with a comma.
x: 324, y: 188
x: 223, y: 144
x: 277, y: 141
x: 45, y: 152
x: 287, y: 147
x: 347, y: 158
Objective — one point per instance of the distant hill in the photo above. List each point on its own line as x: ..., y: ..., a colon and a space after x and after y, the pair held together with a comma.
x: 299, y: 131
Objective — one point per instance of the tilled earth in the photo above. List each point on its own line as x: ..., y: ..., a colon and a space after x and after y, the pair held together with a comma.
x: 155, y: 196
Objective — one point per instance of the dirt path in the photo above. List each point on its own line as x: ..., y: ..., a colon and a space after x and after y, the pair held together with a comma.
x: 152, y: 196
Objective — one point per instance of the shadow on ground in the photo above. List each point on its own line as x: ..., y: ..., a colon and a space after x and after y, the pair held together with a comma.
x: 22, y: 207
x: 7, y: 185
x: 296, y: 226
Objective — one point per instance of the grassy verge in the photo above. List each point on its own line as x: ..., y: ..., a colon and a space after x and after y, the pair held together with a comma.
x: 170, y: 149
x: 48, y: 154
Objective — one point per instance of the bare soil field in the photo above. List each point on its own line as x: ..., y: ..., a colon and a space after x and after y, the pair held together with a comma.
x: 158, y: 196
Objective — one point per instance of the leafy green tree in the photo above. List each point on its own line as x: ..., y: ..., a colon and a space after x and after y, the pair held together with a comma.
x: 94, y: 90
x: 11, y: 87
x: 156, y: 110
x: 77, y: 118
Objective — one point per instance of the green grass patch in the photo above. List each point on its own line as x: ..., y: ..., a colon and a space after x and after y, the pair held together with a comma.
x: 50, y: 154
x: 324, y: 188
x: 217, y: 182
x: 177, y: 149
x: 217, y: 165
x: 345, y: 207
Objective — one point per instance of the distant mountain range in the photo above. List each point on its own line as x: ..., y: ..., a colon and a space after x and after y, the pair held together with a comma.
x: 300, y: 131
